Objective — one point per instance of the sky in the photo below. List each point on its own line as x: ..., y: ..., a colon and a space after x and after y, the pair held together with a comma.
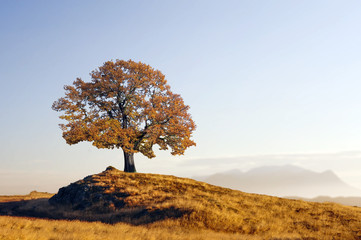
x: 267, y: 82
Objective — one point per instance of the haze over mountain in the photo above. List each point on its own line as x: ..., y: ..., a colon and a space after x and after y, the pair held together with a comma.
x: 348, y: 201
x: 287, y: 180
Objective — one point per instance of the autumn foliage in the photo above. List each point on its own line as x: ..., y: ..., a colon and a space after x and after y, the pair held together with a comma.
x: 127, y: 105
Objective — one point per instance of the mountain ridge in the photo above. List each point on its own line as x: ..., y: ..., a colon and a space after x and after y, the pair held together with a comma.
x: 287, y: 180
x: 348, y: 201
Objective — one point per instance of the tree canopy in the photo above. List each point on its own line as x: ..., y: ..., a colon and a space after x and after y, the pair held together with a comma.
x: 126, y: 105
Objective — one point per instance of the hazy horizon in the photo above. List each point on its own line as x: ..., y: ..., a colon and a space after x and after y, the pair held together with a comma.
x: 267, y: 82
x: 22, y: 182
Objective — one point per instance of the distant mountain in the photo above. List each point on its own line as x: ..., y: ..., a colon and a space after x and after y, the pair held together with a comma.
x: 349, y: 201
x: 283, y: 181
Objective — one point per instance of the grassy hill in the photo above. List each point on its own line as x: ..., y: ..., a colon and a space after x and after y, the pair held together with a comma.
x: 151, y: 205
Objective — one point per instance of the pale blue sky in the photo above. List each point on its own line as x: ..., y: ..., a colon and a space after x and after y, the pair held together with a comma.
x: 262, y: 78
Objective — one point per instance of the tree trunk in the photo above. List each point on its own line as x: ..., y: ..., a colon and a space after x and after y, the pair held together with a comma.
x: 129, y: 162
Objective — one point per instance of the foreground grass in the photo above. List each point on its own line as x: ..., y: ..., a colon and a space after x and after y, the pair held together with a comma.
x: 38, y: 229
x: 203, y: 212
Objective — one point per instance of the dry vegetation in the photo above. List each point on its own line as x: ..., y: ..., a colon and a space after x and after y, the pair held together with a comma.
x: 166, y: 207
x: 33, y: 195
x: 38, y: 229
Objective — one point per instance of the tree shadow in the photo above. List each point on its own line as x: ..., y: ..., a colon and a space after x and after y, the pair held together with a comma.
x: 41, y: 208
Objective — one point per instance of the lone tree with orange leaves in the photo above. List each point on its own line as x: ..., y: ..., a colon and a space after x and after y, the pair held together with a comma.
x: 127, y: 105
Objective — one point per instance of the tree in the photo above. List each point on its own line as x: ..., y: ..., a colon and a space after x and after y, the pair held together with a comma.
x: 126, y: 105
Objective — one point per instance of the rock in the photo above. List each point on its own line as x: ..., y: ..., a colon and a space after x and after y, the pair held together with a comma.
x: 110, y: 168
x: 90, y: 194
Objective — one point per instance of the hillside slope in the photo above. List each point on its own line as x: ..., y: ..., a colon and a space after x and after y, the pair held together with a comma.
x: 160, y: 201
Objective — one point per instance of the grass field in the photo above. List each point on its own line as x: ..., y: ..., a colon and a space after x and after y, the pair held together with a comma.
x: 166, y: 207
x: 31, y: 228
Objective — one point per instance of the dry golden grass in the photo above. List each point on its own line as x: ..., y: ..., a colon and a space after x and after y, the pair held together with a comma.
x: 31, y: 196
x: 206, y: 212
x: 38, y: 229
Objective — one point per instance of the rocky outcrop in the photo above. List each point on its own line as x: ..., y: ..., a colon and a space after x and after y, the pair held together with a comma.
x: 91, y: 193
x: 112, y: 196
